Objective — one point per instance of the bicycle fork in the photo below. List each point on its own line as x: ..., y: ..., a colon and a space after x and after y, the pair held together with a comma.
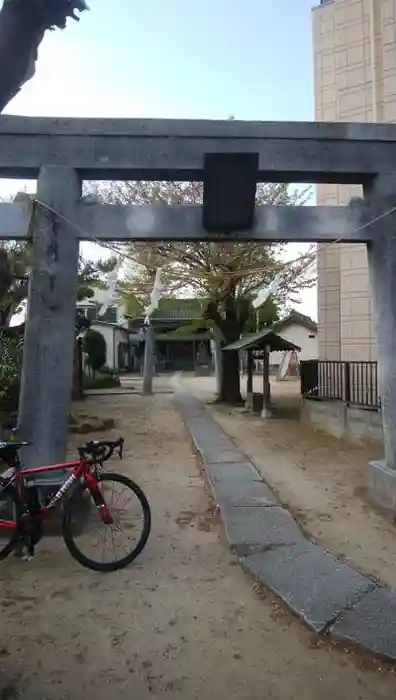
x: 100, y: 503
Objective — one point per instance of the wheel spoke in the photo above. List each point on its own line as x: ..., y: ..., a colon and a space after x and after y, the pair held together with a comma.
x: 104, y: 544
x: 112, y: 541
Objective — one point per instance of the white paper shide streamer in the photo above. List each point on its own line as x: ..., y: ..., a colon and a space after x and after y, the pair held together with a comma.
x: 110, y: 296
x: 284, y: 365
x: 155, y: 296
x: 272, y: 288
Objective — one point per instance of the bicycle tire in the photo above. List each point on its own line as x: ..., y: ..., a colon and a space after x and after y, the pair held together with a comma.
x: 68, y: 535
x: 11, y: 493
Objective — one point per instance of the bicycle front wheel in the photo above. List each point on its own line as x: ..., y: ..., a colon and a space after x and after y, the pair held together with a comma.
x: 104, y: 547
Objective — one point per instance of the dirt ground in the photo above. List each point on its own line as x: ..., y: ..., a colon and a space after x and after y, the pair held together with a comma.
x: 183, y: 621
x: 319, y: 477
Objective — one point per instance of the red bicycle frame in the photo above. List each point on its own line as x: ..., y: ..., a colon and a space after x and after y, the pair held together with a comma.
x: 80, y: 468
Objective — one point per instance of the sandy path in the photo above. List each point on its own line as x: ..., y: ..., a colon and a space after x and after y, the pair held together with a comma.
x: 182, y: 622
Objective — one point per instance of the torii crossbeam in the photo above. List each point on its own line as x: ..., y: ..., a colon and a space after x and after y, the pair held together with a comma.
x: 110, y: 222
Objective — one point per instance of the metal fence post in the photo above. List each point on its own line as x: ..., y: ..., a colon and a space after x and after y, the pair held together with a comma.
x: 347, y: 382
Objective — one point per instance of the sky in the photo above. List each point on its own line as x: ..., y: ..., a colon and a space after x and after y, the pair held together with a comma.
x: 171, y: 59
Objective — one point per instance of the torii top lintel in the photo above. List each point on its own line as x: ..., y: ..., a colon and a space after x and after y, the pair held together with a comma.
x: 174, y: 149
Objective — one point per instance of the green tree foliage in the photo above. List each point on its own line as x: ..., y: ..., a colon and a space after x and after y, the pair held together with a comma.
x: 15, y: 262
x: 14, y: 269
x: 11, y: 347
x: 92, y: 275
x: 267, y: 315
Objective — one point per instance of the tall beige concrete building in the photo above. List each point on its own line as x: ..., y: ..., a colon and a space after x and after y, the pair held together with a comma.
x: 355, y: 80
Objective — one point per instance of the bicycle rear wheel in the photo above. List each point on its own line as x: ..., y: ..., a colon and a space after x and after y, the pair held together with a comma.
x: 134, y: 506
x: 8, y: 511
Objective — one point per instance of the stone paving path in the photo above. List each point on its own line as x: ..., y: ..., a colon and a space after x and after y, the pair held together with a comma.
x: 328, y: 595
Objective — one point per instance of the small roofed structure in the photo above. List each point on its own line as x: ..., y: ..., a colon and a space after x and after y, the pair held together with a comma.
x: 259, y: 346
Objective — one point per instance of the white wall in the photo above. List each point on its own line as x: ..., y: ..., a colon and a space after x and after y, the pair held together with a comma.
x: 299, y: 335
x: 113, y: 336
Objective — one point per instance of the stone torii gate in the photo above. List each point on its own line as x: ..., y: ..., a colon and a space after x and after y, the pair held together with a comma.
x: 60, y: 153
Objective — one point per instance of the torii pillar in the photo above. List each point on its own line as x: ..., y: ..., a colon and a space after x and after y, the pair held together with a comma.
x: 381, y: 253
x: 47, y: 369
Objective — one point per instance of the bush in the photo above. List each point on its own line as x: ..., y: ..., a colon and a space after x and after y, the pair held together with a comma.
x: 11, y: 349
x: 95, y: 348
x: 101, y: 381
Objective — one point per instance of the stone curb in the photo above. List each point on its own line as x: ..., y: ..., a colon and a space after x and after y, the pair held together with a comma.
x: 327, y: 594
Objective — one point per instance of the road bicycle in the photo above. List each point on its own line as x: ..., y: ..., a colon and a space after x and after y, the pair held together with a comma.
x: 86, y: 491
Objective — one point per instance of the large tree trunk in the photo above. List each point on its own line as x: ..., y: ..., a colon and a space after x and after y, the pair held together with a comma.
x: 23, y: 24
x: 218, y: 357
x: 231, y: 320
x: 230, y: 386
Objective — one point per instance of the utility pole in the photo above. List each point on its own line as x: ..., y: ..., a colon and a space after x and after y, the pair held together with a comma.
x: 148, y: 368
x: 218, y: 359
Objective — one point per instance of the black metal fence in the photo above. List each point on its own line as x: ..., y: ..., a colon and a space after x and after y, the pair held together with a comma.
x: 351, y: 382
